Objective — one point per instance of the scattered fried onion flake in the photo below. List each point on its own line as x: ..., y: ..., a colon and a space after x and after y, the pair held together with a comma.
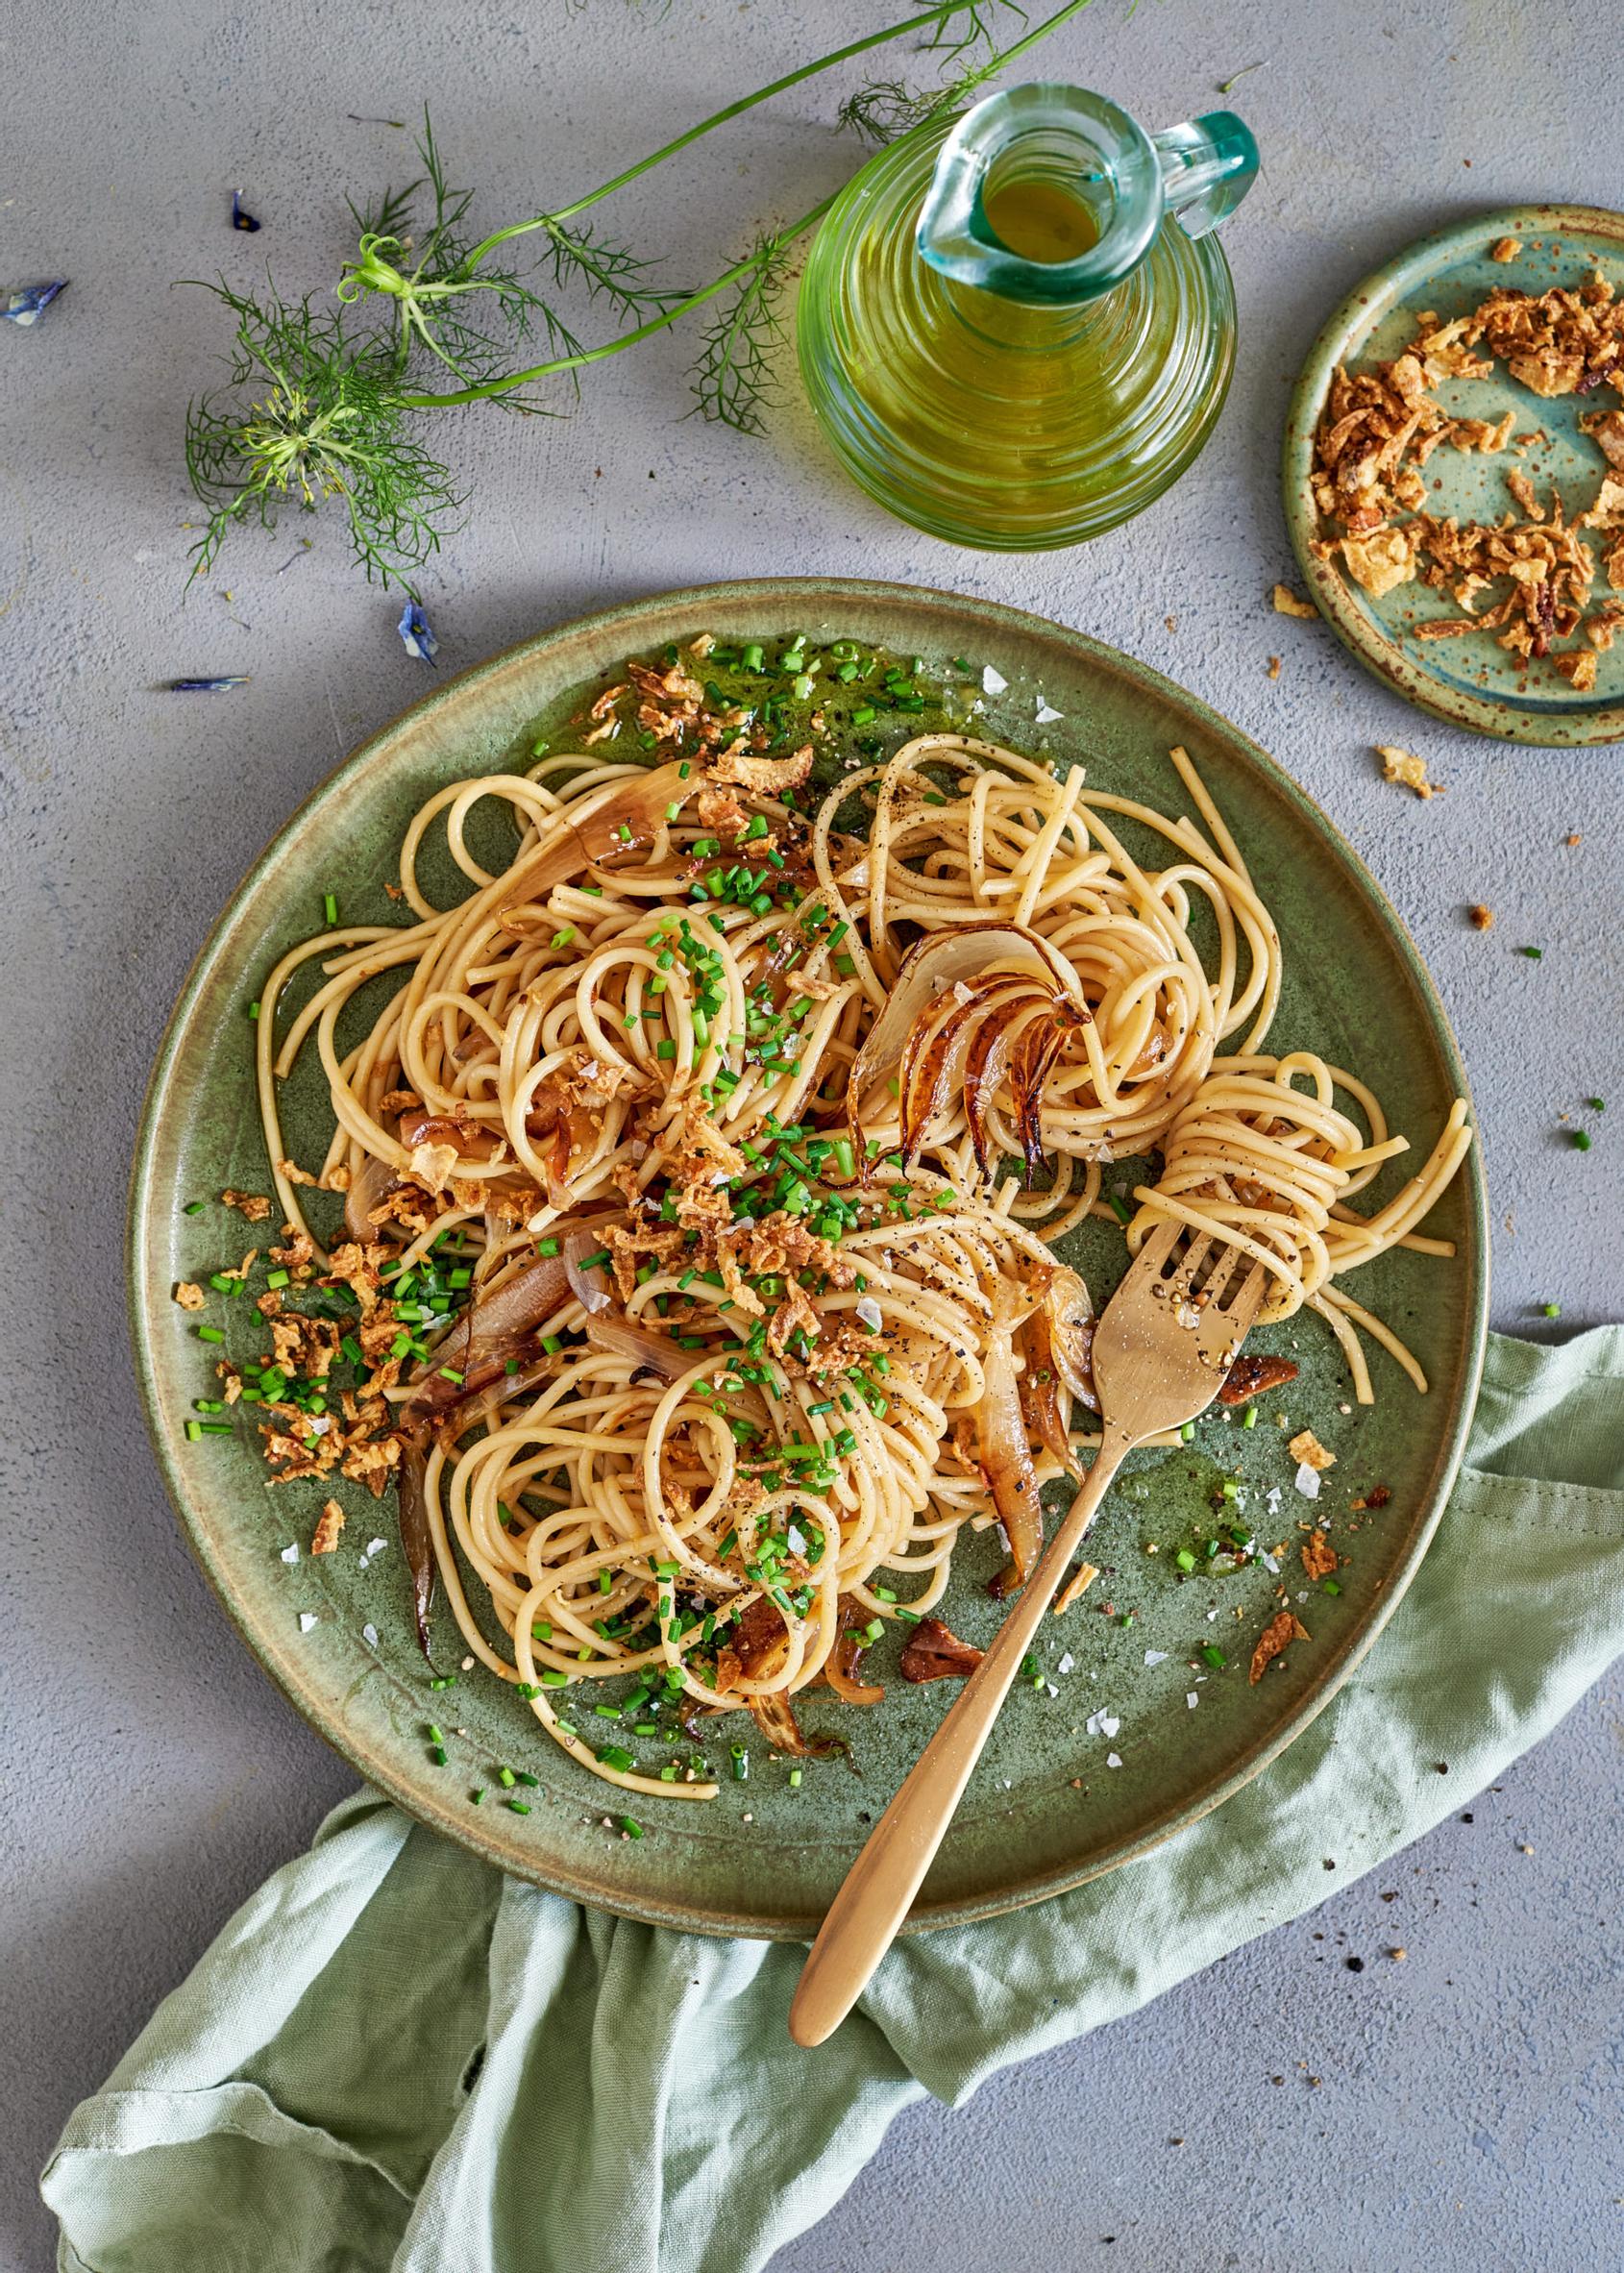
x: 327, y: 1531
x: 1404, y: 766
x: 1288, y: 603
x: 1308, y: 1451
x: 1284, y: 1628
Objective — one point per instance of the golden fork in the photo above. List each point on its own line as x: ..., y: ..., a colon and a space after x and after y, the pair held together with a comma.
x: 1162, y: 1348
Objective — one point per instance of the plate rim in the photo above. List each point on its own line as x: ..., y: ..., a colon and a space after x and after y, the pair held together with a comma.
x: 486, y: 1837
x: 1569, y: 728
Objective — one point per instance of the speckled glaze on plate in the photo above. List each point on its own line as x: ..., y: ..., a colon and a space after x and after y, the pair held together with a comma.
x: 1045, y: 1809
x: 1470, y: 682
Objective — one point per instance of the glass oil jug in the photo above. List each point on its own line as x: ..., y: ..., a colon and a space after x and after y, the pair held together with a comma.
x: 1015, y: 327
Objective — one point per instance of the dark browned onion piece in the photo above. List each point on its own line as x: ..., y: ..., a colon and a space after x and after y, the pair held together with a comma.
x: 989, y: 1063
x: 934, y: 1652
x: 843, y: 1666
x: 417, y: 1542
x: 775, y: 1718
x: 933, y: 1062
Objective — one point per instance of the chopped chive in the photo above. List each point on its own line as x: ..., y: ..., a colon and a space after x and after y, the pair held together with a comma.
x: 1551, y: 1309
x: 631, y: 1826
x: 209, y: 1334
x: 1118, y: 1208
x: 1329, y: 1586
x: 1213, y: 1656
x: 329, y: 909
x: 1249, y: 1418
x: 520, y: 1807
x: 1185, y: 1559
x: 194, y: 1207
x: 1186, y: 1433
x: 1533, y: 954
x: 1579, y: 1138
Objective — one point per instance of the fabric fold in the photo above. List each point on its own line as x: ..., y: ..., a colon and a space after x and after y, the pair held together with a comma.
x: 394, y: 2060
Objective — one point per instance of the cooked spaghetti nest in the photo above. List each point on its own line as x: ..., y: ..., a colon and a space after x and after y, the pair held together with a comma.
x: 683, y: 1037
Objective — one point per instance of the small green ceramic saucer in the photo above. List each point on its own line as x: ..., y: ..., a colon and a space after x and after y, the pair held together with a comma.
x: 1142, y: 1717
x: 1470, y: 682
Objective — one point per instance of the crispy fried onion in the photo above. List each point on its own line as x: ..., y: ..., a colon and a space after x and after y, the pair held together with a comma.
x: 976, y: 1009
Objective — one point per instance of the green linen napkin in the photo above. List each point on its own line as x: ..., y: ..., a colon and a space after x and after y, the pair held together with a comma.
x: 394, y: 2058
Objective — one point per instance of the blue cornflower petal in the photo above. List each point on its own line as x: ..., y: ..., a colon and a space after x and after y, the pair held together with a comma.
x: 28, y: 305
x: 204, y: 686
x: 241, y: 217
x: 414, y: 629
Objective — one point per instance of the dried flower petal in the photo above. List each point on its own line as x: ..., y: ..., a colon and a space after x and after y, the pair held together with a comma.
x: 414, y: 629
x: 205, y: 686
x: 241, y: 217
x: 27, y: 306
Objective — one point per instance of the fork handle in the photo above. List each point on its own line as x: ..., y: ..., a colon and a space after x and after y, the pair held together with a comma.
x: 862, y: 1920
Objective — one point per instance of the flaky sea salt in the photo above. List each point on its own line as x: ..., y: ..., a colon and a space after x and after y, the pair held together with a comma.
x: 291, y: 1554
x: 1190, y: 1699
x: 1066, y: 1661
x: 369, y: 1634
x: 994, y: 683
x: 1155, y: 1657
x: 1048, y: 716
x: 1113, y: 1759
x: 307, y: 1619
x: 868, y: 1310
x: 1306, y: 1480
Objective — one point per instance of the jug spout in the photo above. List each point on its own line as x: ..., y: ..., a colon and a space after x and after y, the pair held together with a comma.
x: 1052, y: 196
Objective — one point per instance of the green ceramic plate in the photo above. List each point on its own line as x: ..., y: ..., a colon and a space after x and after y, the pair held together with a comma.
x: 1470, y: 682
x: 1046, y: 1807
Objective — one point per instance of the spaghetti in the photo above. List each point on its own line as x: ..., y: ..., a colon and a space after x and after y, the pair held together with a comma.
x: 714, y: 1100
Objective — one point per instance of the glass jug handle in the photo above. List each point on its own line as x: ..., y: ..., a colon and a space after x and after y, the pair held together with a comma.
x: 1208, y: 164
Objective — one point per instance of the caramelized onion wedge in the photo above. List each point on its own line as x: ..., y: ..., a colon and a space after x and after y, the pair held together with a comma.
x: 492, y: 1330
x: 641, y: 1346
x: 1069, y: 1314
x: 417, y: 1541
x: 945, y: 959
x: 843, y: 1667
x: 369, y: 1187
x: 1000, y: 1429
x: 989, y: 1062
x: 935, y: 1058
x: 627, y: 820
x: 590, y: 1287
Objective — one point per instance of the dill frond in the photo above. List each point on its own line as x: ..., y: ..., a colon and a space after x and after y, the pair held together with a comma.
x: 734, y: 381
x: 310, y: 413
x: 954, y: 39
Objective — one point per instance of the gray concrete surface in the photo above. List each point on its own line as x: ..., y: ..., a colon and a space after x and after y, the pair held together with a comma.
x: 1467, y: 2109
